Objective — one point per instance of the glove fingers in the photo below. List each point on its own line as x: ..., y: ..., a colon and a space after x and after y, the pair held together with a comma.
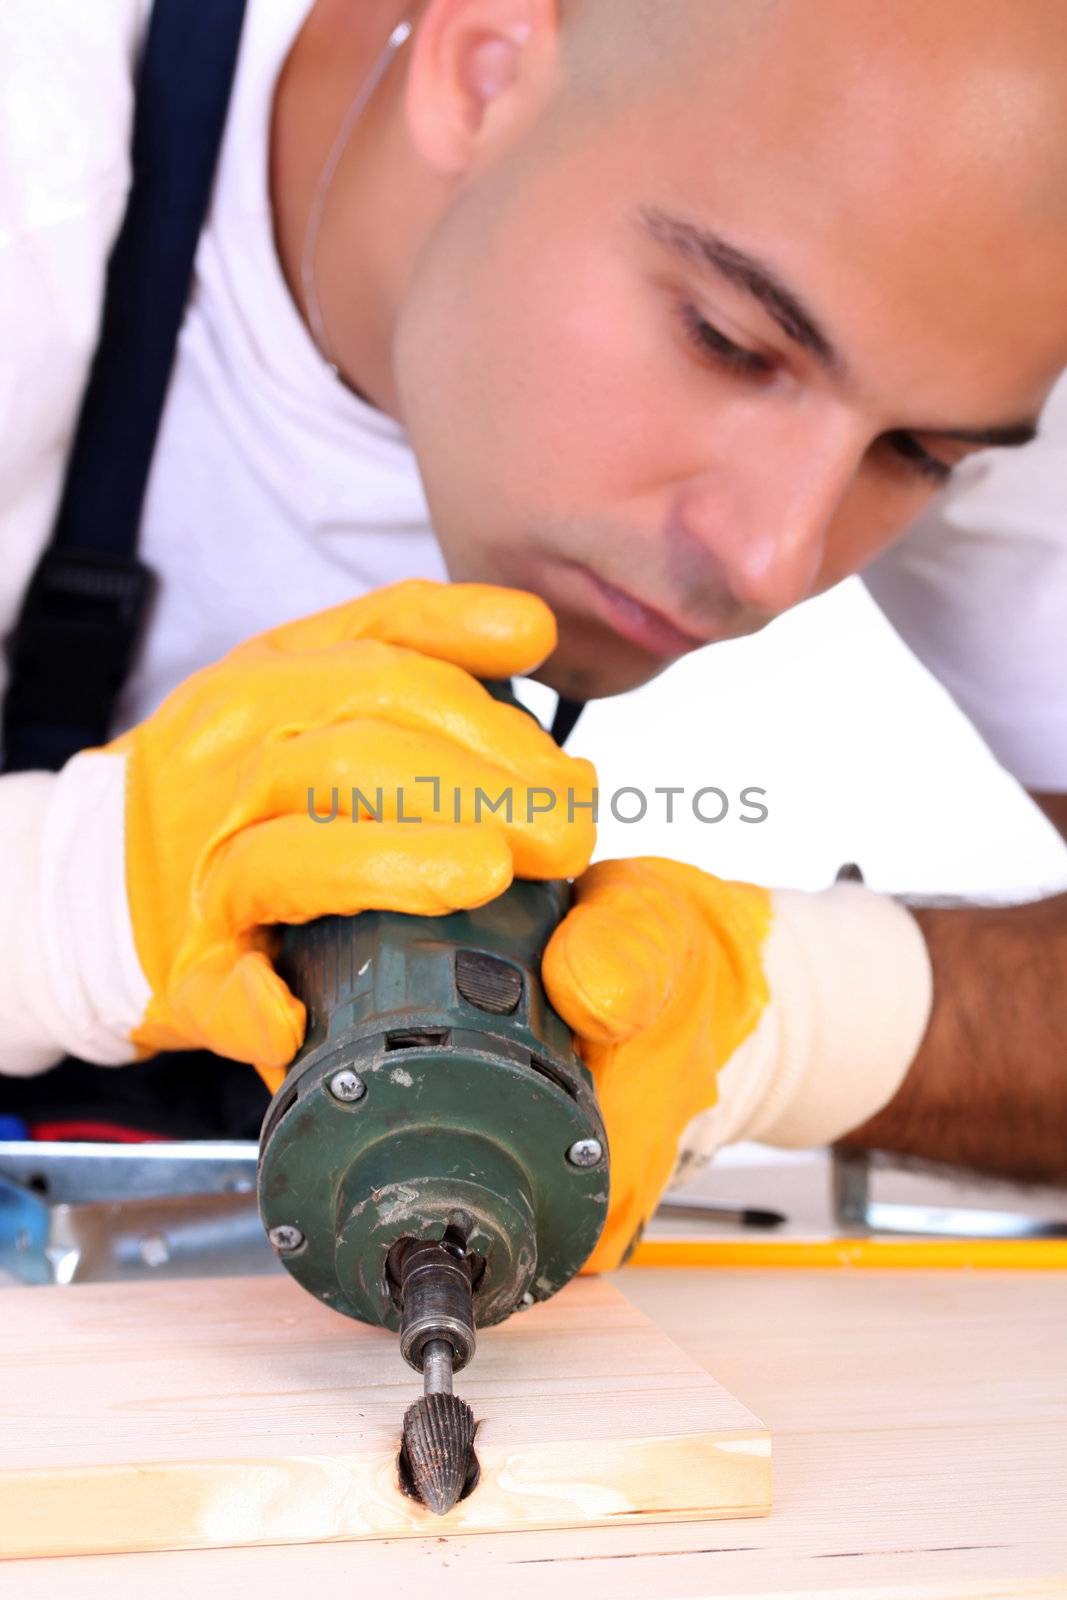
x: 384, y: 772
x: 291, y: 871
x: 236, y: 1005
x: 610, y: 973
x: 490, y: 632
x: 282, y: 696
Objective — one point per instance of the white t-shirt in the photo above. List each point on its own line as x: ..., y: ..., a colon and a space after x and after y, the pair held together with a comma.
x: 275, y: 492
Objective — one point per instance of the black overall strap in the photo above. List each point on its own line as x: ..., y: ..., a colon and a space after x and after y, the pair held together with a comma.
x: 82, y: 615
x: 567, y: 714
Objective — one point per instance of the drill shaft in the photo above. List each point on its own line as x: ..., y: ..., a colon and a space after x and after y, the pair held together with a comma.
x: 437, y: 1337
x: 437, y: 1367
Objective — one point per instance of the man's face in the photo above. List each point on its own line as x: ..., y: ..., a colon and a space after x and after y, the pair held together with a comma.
x: 701, y: 342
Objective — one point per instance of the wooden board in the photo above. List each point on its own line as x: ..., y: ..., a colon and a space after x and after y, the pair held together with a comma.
x: 223, y: 1412
x: 920, y: 1452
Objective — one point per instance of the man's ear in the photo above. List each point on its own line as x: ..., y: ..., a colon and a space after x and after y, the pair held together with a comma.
x: 477, y: 67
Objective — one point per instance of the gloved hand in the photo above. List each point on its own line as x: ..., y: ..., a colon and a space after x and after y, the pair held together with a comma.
x: 170, y: 853
x: 710, y: 1011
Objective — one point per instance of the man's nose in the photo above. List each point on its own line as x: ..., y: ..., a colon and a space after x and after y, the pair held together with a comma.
x: 766, y: 515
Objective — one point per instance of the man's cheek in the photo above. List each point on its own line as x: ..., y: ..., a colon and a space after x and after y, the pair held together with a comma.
x: 573, y: 409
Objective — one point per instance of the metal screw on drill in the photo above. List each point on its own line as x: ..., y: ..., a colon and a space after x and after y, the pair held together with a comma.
x: 585, y: 1152
x: 285, y: 1237
x: 347, y: 1086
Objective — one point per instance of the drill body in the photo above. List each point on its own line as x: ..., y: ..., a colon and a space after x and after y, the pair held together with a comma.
x: 437, y: 1092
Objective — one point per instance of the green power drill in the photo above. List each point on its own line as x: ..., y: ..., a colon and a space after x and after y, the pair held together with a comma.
x: 435, y: 1158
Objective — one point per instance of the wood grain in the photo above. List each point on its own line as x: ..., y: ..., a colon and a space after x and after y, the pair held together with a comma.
x: 238, y: 1412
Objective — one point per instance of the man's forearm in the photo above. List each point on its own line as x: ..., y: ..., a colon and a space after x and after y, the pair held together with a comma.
x: 1055, y: 808
x: 988, y: 1088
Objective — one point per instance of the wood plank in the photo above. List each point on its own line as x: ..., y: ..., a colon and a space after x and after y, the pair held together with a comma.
x: 220, y: 1412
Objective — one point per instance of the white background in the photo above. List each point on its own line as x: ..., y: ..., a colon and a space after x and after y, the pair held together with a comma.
x: 862, y: 754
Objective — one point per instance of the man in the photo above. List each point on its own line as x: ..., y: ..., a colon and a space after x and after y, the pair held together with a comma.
x: 684, y: 310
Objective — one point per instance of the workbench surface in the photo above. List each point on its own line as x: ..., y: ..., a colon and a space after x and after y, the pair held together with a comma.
x: 920, y: 1439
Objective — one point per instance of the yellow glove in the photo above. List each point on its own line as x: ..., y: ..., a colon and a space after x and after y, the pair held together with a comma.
x: 173, y: 850
x: 657, y: 970
x: 710, y: 1011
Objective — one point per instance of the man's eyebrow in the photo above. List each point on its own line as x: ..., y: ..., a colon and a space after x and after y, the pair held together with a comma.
x: 790, y: 313
x: 796, y: 321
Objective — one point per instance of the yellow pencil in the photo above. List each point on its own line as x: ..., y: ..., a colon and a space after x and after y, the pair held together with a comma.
x: 939, y: 1255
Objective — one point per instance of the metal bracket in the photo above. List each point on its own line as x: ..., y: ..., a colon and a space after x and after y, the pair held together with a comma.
x: 77, y: 1213
x: 856, y: 1213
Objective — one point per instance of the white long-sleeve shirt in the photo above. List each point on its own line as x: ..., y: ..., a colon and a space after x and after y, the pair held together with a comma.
x: 275, y: 492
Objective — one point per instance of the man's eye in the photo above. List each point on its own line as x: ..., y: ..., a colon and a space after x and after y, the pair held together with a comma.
x: 710, y: 342
x: 908, y: 448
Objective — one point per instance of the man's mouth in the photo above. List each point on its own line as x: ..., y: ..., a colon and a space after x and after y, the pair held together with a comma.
x: 635, y: 621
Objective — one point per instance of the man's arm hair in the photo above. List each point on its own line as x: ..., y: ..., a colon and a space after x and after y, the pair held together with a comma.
x: 988, y: 1088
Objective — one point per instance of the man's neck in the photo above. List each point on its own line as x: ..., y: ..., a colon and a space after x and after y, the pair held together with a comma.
x: 363, y: 240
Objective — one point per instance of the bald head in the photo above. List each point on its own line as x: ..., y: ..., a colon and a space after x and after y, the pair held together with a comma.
x: 986, y: 79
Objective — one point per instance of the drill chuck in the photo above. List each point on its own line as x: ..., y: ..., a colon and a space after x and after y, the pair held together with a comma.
x: 436, y: 1305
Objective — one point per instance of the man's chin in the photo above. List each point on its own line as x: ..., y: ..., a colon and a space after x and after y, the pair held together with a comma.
x: 597, y: 665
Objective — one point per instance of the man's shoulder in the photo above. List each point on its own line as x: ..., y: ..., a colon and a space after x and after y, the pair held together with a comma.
x: 66, y: 103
